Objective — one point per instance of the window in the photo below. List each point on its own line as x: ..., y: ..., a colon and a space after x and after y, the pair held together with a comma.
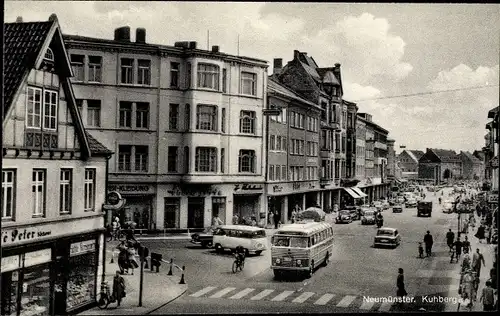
x: 186, y: 159
x: 222, y: 159
x: 38, y: 192
x: 247, y: 122
x: 49, y: 55
x: 124, y: 157
x: 272, y: 142
x: 187, y: 117
x: 77, y: 66
x: 95, y: 66
x: 34, y: 108
x: 188, y: 75
x: 125, y: 114
x: 89, y: 190
x: 65, y: 191
x: 206, y: 159
x: 141, y: 158
x: 208, y: 76
x: 94, y: 113
x: 278, y: 143
x: 206, y: 117
x: 223, y: 120
x: 283, y: 144
x: 8, y: 193
x: 142, y: 115
x: 246, y: 161
x: 174, y: 75
x: 50, y: 110
x: 173, y: 116
x: 224, y: 80
x: 248, y: 83
x: 271, y: 172
x: 283, y: 172
x: 172, y: 159
x: 144, y: 72
x: 127, y: 68
x: 277, y: 169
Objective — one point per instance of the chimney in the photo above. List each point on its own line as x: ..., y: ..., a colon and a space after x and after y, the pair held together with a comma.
x: 192, y: 45
x: 296, y: 55
x: 53, y: 17
x: 122, y: 34
x: 215, y: 49
x: 183, y: 44
x: 19, y: 19
x: 277, y: 66
x: 140, y: 35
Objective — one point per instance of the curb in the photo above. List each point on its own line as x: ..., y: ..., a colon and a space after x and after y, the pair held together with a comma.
x: 166, y: 303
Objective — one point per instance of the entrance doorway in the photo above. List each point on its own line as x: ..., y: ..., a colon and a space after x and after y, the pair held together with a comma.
x: 196, y: 209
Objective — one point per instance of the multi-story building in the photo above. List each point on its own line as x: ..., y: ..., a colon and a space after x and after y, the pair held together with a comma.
x: 53, y: 181
x: 408, y: 162
x: 323, y: 86
x: 472, y: 168
x: 391, y: 160
x: 360, y: 149
x: 439, y: 165
x: 350, y: 169
x: 186, y: 124
x: 375, y: 183
x: 491, y: 151
x: 293, y: 151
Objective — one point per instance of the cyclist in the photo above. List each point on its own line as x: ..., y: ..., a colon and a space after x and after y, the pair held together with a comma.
x: 239, y: 253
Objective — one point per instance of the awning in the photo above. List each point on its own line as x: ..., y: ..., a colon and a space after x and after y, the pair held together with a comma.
x: 352, y: 193
x: 359, y: 192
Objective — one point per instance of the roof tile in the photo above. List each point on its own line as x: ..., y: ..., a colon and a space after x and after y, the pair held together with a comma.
x: 96, y: 147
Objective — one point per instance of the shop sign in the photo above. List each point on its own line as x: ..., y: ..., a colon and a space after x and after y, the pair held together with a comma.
x: 277, y: 188
x: 129, y: 188
x: 114, y: 198
x: 248, y: 187
x: 82, y: 247
x: 26, y: 234
x: 37, y: 257
x: 10, y: 263
x: 493, y: 199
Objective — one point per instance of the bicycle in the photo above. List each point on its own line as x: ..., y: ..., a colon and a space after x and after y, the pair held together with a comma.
x: 238, y: 263
x: 105, y: 296
x: 117, y: 234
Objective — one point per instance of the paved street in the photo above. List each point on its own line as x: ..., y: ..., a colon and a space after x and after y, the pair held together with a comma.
x: 355, y: 270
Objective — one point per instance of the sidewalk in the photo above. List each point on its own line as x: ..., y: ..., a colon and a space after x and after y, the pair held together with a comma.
x: 159, y: 289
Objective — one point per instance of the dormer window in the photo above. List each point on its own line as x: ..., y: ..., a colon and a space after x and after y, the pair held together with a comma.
x: 49, y: 55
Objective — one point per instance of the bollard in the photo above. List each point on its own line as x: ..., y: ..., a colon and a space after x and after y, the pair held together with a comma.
x: 145, y: 263
x: 112, y: 257
x: 171, y: 263
x: 182, y: 277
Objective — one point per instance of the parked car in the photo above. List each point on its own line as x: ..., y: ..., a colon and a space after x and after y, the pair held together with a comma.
x: 398, y: 208
x: 368, y: 217
x: 424, y: 208
x: 378, y: 205
x: 386, y: 205
x: 355, y: 211
x: 411, y: 202
x: 387, y: 236
x: 204, y: 238
x: 344, y: 217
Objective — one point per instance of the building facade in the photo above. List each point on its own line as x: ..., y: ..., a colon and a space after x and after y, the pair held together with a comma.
x: 408, y: 162
x: 472, y: 168
x: 391, y: 160
x: 53, y: 181
x: 292, y: 179
x: 439, y: 166
x: 491, y: 151
x: 186, y: 125
x: 360, y: 149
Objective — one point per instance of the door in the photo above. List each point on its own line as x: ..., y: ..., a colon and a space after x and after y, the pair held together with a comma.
x: 196, y: 210
x: 171, y: 216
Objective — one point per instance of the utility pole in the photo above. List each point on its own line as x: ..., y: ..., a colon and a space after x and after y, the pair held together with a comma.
x: 141, y: 281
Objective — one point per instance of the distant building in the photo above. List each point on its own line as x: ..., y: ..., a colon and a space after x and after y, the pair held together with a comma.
x: 472, y: 167
x: 391, y: 160
x: 439, y: 165
x: 408, y: 162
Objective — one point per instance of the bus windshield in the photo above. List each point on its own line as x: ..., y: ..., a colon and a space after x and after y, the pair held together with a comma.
x: 286, y: 241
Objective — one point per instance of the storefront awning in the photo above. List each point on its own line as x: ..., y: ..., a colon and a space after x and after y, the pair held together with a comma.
x: 359, y: 192
x: 352, y: 193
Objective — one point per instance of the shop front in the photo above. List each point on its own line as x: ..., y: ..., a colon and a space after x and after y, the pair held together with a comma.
x: 247, y: 203
x: 47, y: 269
x: 138, y: 206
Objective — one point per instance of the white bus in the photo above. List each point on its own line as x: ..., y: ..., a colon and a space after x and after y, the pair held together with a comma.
x: 301, y: 247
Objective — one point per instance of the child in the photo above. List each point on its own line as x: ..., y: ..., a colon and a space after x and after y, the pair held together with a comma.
x: 420, y: 250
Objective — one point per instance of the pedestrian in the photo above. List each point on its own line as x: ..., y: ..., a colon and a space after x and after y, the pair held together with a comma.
x: 216, y: 221
x: 450, y: 237
x: 123, y: 259
x: 294, y: 216
x: 480, y: 233
x: 477, y: 259
x: 131, y: 256
x: 488, y: 297
x: 276, y: 219
x: 118, y: 288
x: 116, y: 227
x: 472, y: 221
x: 270, y: 218
x: 235, y: 219
x: 420, y: 250
x: 465, y: 227
x: 466, y: 245
x: 457, y: 245
x: 400, y: 284
x: 428, y: 241
x: 466, y: 263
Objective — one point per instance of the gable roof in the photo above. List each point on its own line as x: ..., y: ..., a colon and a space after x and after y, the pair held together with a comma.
x: 96, y: 147
x: 470, y: 156
x: 22, y: 45
x: 445, y: 155
x: 274, y: 86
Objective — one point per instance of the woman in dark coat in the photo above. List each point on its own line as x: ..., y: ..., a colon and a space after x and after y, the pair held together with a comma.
x: 480, y: 233
x: 400, y: 283
x: 118, y: 288
x: 123, y: 258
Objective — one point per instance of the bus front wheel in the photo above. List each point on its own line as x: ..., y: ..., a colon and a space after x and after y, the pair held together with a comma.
x: 310, y: 271
x: 327, y: 259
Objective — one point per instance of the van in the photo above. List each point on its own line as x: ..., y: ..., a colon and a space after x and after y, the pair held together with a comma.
x: 251, y: 238
x: 424, y: 208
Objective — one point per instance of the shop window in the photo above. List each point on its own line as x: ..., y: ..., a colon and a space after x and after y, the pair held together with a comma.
x: 81, y: 286
x: 35, y: 293
x: 10, y: 283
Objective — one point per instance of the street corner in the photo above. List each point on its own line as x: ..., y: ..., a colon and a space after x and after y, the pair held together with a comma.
x: 161, y: 289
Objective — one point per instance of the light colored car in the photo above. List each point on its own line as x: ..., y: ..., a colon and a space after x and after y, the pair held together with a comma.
x: 368, y: 217
x: 398, y: 208
x: 251, y: 238
x: 448, y: 206
x: 386, y: 205
x: 411, y: 202
x: 387, y: 236
x: 343, y: 217
x: 378, y: 205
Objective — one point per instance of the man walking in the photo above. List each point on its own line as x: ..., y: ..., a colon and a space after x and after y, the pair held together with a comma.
x: 466, y: 245
x: 400, y: 284
x: 458, y: 250
x: 450, y: 237
x: 118, y: 288
x: 488, y: 297
x: 428, y: 241
x: 477, y: 259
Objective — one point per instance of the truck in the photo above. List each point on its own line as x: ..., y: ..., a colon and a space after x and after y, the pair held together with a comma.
x: 424, y: 208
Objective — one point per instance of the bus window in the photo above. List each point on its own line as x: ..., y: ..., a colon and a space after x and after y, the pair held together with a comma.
x: 281, y: 241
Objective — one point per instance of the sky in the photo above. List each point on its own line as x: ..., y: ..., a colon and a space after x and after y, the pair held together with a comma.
x: 386, y: 50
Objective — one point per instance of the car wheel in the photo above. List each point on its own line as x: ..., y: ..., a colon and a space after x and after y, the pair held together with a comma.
x: 278, y: 274
x: 327, y: 259
x: 310, y: 271
x: 209, y: 244
x: 218, y: 248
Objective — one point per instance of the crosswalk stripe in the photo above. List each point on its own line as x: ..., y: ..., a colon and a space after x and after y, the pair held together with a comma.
x: 261, y: 295
x: 240, y: 294
x: 386, y: 306
x: 346, y: 301
x: 366, y: 304
x: 223, y: 292
x: 282, y: 296
x: 324, y: 299
x: 203, y: 291
x: 303, y: 297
